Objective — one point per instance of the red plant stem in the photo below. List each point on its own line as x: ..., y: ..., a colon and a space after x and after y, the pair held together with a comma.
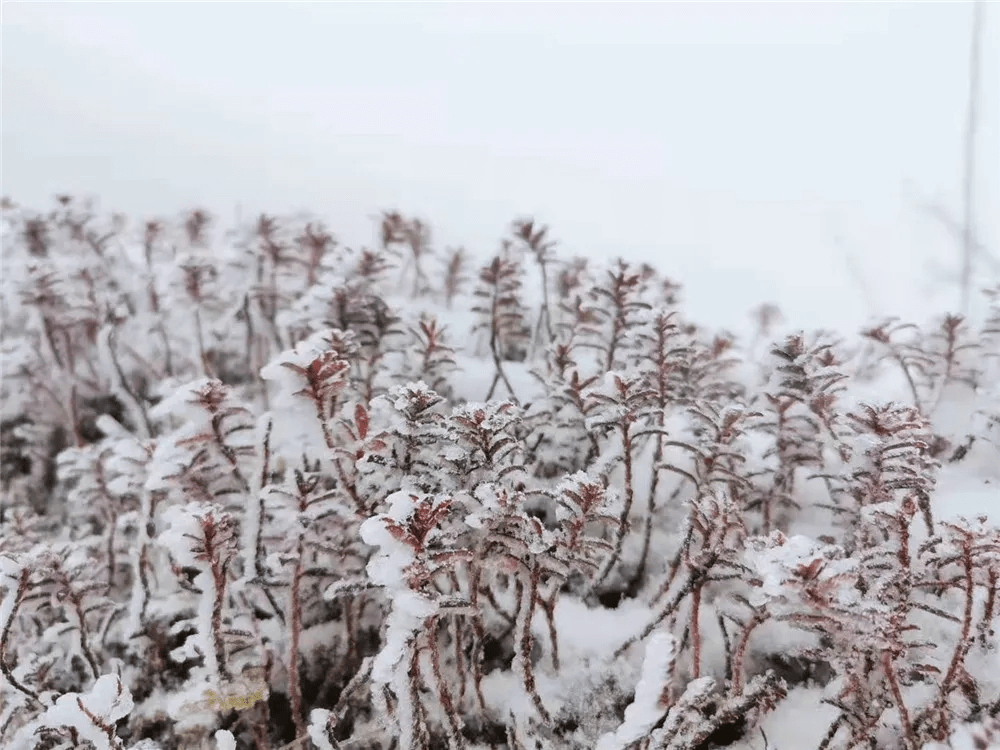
x: 321, y: 417
x: 227, y: 452
x: 77, y: 602
x: 675, y: 565
x: 260, y: 737
x: 98, y: 722
x: 778, y: 477
x: 831, y: 732
x: 739, y: 656
x: 989, y: 605
x: 261, y: 709
x: 22, y: 589
x: 904, y: 714
x: 351, y: 487
x: 205, y: 369
x: 295, y: 620
x: 265, y: 474
x: 48, y: 330
x: 616, y: 554
x: 619, y: 322
x: 909, y: 377
x: 479, y: 634
x: 693, y: 580
x: 525, y: 641
x: 143, y: 420
x: 112, y: 561
x: 219, y: 579
x: 647, y: 532
x: 696, y: 631
x: 454, y: 728
x: 548, y: 607
x: 456, y: 625
x: 903, y: 554
x: 964, y: 640
x: 495, y: 347
x: 70, y: 354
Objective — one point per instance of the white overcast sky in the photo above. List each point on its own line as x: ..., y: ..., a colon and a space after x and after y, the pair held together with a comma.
x: 742, y: 147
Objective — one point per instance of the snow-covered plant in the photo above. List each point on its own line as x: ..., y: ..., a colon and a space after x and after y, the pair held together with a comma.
x: 890, y: 463
x: 710, y: 374
x: 501, y: 314
x: 313, y: 382
x: 90, y: 717
x: 92, y: 505
x: 622, y: 304
x: 455, y: 274
x: 536, y: 241
x: 902, y: 344
x: 412, y: 239
x: 578, y: 324
x: 256, y: 451
x: 701, y: 715
x: 209, y: 456
x: 584, y: 505
x: 801, y: 416
x: 623, y: 411
x: 978, y: 735
x: 431, y: 357
x: 669, y: 354
x: 202, y: 540
x: 714, y: 531
x: 406, y: 448
x: 489, y: 446
x: 20, y: 573
x: 561, y: 441
x: 411, y: 555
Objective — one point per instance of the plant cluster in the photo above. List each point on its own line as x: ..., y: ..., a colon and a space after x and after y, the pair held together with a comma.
x: 529, y: 507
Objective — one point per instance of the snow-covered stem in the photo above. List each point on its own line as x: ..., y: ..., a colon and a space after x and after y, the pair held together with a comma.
x: 501, y: 314
x: 627, y: 401
x: 294, y: 619
x: 665, y: 358
x: 740, y: 652
x: 203, y: 537
x: 17, y: 579
x: 965, y: 637
x: 540, y: 247
x: 453, y: 721
x: 897, y: 694
x: 523, y: 639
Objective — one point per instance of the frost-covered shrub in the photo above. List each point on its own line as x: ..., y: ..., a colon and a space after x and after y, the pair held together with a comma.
x: 257, y: 492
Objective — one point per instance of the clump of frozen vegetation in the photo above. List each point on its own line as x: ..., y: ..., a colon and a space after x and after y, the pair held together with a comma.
x: 260, y: 490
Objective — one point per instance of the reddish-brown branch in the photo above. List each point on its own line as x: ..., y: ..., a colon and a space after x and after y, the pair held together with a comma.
x: 904, y: 714
x: 294, y: 618
x: 22, y: 590
x: 696, y: 632
x: 989, y: 605
x: 965, y: 639
x: 625, y: 428
x: 525, y: 640
x: 739, y: 654
x: 454, y: 722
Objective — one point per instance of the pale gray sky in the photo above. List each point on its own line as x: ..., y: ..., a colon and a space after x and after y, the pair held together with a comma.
x: 730, y: 143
